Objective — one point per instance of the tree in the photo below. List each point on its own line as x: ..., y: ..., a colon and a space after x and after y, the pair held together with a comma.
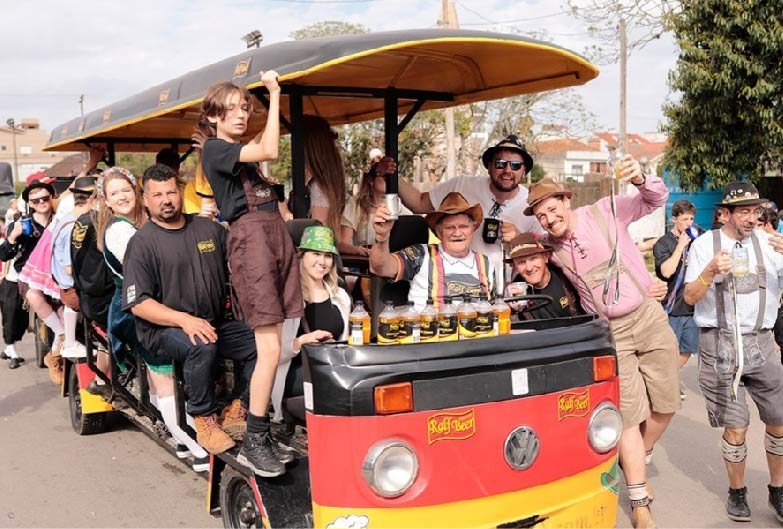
x: 328, y: 28
x: 728, y: 121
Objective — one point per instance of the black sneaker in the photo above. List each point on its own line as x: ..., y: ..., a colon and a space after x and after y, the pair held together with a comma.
x: 182, y: 451
x: 282, y: 452
x: 3, y: 356
x: 258, y: 454
x: 776, y: 501
x: 15, y: 362
x: 737, y: 507
x: 201, y: 464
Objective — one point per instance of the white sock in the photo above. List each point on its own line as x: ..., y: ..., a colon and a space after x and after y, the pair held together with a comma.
x: 53, y: 322
x: 10, y: 351
x: 70, y: 317
x: 168, y: 409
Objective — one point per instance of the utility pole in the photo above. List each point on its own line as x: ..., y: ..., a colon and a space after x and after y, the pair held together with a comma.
x: 623, y: 142
x: 81, y: 104
x: 448, y: 19
x: 12, y: 124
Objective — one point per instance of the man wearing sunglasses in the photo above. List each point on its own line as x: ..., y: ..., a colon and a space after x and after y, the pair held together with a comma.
x: 500, y: 195
x: 23, y: 235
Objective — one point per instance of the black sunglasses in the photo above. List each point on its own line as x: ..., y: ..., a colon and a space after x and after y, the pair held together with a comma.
x: 500, y: 163
x: 41, y: 200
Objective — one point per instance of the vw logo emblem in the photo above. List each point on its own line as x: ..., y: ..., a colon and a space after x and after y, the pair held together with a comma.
x: 521, y: 448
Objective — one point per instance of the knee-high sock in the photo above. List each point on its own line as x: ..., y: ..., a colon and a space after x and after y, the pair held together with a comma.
x: 70, y: 317
x: 168, y: 409
x: 53, y: 322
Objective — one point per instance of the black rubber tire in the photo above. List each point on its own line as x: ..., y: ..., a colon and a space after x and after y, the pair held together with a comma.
x: 90, y: 424
x: 238, y: 506
x: 41, y: 345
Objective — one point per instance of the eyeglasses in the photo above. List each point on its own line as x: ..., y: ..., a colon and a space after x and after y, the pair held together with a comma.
x: 500, y: 163
x: 757, y: 213
x: 40, y: 200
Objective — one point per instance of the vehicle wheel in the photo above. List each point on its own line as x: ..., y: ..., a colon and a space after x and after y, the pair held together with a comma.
x: 238, y: 504
x: 41, y: 345
x: 82, y: 424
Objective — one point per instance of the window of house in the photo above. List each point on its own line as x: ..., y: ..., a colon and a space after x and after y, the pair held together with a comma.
x: 25, y: 149
x: 3, y: 148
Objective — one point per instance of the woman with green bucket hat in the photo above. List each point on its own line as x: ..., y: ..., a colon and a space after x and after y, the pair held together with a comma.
x: 326, y: 307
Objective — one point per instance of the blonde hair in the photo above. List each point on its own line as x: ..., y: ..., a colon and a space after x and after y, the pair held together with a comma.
x: 105, y: 215
x: 330, y: 279
x: 325, y: 166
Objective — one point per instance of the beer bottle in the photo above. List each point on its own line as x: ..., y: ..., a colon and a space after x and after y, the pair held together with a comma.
x: 388, y: 325
x: 485, y: 317
x: 502, y: 323
x: 429, y: 322
x: 447, y: 321
x: 466, y: 318
x: 359, y: 322
x: 410, y: 324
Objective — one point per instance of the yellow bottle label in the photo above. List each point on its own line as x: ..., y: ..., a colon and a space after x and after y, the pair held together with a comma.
x: 447, y: 328
x: 388, y: 331
x: 429, y: 330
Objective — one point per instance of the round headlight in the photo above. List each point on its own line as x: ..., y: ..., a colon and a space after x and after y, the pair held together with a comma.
x: 390, y: 468
x: 605, y: 428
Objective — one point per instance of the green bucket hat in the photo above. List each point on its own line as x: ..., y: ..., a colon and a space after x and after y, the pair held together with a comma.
x: 318, y: 239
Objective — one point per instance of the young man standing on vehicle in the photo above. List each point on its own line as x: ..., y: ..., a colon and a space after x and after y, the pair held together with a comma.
x: 671, y: 261
x: 734, y: 280
x: 530, y: 258
x: 175, y: 285
x: 584, y: 243
x: 460, y: 270
x: 500, y: 194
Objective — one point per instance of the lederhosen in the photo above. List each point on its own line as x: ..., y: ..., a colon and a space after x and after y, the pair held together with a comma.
x: 262, y: 260
x: 435, y: 278
x: 725, y: 355
x: 596, y: 276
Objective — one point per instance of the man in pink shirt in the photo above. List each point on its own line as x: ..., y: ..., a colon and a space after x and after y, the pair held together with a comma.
x: 617, y: 286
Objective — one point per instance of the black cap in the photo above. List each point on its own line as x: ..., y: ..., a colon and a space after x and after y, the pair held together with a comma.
x: 36, y: 185
x: 509, y: 143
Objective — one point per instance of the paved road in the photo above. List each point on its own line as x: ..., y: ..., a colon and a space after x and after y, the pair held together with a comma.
x: 50, y: 477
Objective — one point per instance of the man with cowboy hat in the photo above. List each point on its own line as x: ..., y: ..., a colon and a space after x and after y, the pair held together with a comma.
x: 596, y: 253
x: 500, y: 194
x: 450, y: 268
x: 734, y: 280
x: 530, y: 258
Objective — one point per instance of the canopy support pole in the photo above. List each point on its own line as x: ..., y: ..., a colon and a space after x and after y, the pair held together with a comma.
x: 296, y: 111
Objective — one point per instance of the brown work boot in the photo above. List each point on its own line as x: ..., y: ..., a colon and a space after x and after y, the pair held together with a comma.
x: 641, y: 517
x: 233, y: 420
x: 211, y: 436
x: 55, y: 365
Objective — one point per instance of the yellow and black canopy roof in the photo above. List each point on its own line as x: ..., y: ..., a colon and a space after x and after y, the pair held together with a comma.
x: 343, y: 79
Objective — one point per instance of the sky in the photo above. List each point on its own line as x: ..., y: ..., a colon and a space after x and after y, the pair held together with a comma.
x: 51, y: 52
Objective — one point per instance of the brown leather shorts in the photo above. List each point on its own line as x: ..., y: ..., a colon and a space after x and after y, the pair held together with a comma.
x: 264, y: 269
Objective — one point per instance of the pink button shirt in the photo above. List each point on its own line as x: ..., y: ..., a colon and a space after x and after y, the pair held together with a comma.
x: 587, y: 248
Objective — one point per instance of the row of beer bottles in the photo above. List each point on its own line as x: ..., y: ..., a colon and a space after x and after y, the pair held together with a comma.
x: 457, y: 319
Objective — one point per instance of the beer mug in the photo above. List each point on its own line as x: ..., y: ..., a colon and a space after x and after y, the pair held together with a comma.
x: 740, y: 265
x: 392, y: 203
x: 491, y: 230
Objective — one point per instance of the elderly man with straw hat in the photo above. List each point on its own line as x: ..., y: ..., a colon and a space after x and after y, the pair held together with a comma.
x: 595, y: 251
x: 436, y: 271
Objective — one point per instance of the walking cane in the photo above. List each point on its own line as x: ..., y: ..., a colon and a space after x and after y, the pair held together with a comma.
x: 738, y: 346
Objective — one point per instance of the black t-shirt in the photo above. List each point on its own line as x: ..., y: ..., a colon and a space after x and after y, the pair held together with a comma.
x: 92, y: 278
x: 663, y: 250
x: 220, y: 160
x: 183, y: 269
x: 564, y: 303
x: 324, y: 316
x: 25, y: 244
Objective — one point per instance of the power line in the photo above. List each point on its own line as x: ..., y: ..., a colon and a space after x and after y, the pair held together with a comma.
x: 506, y: 22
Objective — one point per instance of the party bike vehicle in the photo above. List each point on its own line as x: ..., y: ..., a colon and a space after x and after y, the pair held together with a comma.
x: 518, y: 430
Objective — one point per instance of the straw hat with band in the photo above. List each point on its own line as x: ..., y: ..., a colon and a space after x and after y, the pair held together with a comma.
x: 542, y: 190
x: 509, y: 143
x: 318, y: 239
x: 741, y: 194
x: 454, y: 204
x: 525, y: 244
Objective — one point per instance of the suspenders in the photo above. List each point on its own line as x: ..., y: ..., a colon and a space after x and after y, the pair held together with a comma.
x: 721, y: 287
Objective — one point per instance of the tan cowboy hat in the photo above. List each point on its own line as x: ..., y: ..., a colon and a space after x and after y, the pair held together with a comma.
x: 525, y: 244
x: 542, y: 190
x: 454, y: 204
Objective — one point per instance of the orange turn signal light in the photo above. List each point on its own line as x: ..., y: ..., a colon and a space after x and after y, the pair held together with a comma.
x: 394, y: 398
x: 604, y: 368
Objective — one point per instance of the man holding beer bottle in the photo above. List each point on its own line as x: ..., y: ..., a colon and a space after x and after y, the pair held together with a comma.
x: 436, y: 271
x: 734, y: 281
